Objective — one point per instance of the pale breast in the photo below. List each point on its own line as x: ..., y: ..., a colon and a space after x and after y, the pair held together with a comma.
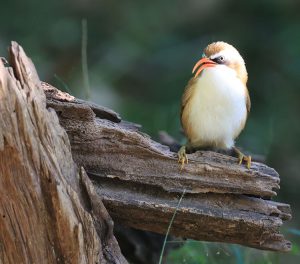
x: 214, y: 114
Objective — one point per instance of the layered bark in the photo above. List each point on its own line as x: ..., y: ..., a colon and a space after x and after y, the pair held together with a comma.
x: 140, y: 181
x: 50, y: 212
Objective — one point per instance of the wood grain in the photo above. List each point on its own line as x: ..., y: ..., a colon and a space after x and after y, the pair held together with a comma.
x: 50, y: 212
x: 140, y: 181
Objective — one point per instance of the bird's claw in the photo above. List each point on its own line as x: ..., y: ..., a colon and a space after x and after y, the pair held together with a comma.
x: 182, y: 157
x: 242, y: 157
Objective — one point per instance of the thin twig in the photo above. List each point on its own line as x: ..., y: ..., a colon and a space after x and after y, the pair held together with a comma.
x: 84, y: 64
x: 169, y: 227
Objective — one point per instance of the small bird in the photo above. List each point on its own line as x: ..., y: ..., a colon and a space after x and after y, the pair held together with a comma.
x: 215, y: 103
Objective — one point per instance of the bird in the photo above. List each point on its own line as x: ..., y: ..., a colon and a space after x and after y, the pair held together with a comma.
x: 215, y: 103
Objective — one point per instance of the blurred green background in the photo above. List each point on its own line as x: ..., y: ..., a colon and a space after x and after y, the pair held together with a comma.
x: 140, y: 55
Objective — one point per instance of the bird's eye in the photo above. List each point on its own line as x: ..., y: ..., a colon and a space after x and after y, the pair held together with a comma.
x: 219, y: 60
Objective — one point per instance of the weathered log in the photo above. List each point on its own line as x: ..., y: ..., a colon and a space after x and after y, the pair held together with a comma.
x: 105, y: 147
x: 50, y: 212
x: 140, y: 182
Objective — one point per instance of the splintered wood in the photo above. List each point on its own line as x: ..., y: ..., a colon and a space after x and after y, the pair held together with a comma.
x: 140, y: 181
x: 50, y: 212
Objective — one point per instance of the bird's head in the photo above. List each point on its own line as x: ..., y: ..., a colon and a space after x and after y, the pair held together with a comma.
x: 222, y: 54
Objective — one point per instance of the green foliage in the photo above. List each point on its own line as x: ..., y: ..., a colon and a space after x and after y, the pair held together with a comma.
x: 195, y: 252
x: 192, y: 252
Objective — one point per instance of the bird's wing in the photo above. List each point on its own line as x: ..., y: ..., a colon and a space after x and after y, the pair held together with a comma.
x: 248, y: 101
x: 248, y: 107
x: 187, y: 94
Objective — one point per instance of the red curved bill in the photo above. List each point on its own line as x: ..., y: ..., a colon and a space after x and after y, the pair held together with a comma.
x: 203, y: 64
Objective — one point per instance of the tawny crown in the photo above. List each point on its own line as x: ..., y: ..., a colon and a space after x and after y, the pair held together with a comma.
x: 224, y: 53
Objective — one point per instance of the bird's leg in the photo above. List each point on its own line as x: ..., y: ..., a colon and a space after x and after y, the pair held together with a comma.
x: 182, y: 157
x: 242, y: 157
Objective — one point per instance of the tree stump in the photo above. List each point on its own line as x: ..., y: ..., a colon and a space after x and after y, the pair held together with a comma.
x: 50, y: 212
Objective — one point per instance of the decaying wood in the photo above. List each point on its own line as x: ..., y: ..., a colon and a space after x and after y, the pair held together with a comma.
x: 140, y: 182
x: 117, y: 149
x: 137, y: 178
x: 50, y: 212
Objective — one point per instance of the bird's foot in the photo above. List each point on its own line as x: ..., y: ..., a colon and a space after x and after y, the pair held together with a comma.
x: 247, y: 159
x: 182, y: 157
x: 242, y: 157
